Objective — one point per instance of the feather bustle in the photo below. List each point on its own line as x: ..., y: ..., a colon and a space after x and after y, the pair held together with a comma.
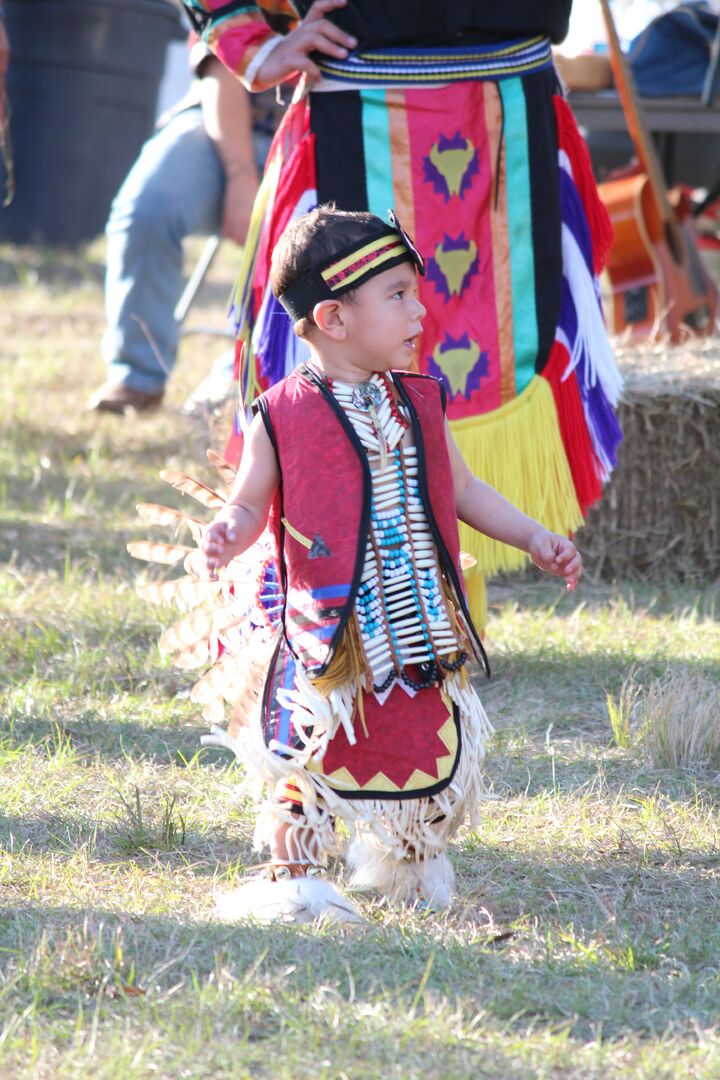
x: 210, y: 498
x: 194, y: 656
x: 219, y: 681
x: 256, y: 660
x: 227, y: 471
x: 186, y: 592
x: 201, y: 624
x: 153, y: 551
x: 167, y: 517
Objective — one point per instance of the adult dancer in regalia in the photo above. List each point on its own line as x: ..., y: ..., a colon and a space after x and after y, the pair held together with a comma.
x: 452, y: 114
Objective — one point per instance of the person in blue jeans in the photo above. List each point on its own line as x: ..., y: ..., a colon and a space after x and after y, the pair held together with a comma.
x: 198, y: 175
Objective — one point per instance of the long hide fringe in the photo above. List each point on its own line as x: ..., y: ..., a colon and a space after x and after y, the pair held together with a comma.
x: 422, y: 826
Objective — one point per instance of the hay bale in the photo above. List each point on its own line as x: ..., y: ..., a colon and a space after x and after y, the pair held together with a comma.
x: 660, y: 515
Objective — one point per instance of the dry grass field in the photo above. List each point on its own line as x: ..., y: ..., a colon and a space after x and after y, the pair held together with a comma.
x: 585, y: 942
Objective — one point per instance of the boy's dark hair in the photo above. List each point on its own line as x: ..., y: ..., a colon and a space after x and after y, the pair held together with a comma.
x: 310, y: 241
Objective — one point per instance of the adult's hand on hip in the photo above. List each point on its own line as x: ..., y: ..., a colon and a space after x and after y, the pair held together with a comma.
x: 313, y: 34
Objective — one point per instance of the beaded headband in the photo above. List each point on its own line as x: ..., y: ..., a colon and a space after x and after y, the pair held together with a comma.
x: 351, y: 267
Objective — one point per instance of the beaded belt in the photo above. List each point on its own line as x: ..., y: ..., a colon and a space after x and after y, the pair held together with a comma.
x: 431, y: 67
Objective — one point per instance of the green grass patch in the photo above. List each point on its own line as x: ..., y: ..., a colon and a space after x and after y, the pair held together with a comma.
x: 584, y: 943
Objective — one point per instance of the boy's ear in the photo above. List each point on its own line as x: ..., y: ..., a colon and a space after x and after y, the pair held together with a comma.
x: 328, y: 316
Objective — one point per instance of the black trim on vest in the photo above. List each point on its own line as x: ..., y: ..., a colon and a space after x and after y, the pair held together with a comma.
x: 419, y: 793
x: 260, y: 405
x: 443, y: 394
x: 446, y: 561
x: 266, y: 708
x: 320, y: 383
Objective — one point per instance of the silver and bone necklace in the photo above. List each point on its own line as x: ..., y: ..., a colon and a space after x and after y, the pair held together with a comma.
x: 400, y: 605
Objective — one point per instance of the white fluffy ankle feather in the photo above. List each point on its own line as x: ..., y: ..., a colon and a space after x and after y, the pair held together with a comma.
x: 374, y: 867
x: 299, y: 900
x: 428, y: 882
x: 435, y: 879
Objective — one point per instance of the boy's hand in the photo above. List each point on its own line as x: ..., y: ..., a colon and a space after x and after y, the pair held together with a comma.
x: 220, y: 540
x: 557, y: 555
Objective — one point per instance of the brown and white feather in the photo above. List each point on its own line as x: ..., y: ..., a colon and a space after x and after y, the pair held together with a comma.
x: 210, y: 498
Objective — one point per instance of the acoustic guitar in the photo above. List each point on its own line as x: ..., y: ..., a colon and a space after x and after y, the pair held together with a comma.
x: 659, y: 285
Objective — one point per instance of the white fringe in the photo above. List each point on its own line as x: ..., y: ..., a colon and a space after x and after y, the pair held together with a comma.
x: 423, y: 826
x: 311, y: 709
x: 591, y: 339
x: 564, y: 163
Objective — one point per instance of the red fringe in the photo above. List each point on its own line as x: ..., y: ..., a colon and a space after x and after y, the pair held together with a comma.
x: 584, y: 464
x: 571, y: 141
x: 297, y: 175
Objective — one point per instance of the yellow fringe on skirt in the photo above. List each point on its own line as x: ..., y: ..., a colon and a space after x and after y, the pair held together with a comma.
x: 262, y: 206
x: 518, y: 449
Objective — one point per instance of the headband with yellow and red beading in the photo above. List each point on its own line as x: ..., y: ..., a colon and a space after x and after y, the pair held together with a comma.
x: 381, y: 249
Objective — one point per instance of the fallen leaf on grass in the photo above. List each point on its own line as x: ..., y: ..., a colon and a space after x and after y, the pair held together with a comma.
x: 500, y: 939
x: 127, y: 991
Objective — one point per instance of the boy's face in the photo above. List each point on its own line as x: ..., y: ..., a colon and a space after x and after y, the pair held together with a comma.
x: 383, y: 321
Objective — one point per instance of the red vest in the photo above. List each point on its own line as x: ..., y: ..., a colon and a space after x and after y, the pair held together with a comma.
x: 322, y: 527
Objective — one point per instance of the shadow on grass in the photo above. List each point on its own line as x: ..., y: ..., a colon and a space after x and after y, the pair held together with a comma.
x: 532, y: 754
x: 121, y: 740
x: 532, y: 590
x: 408, y: 969
x: 571, y: 688
x: 83, y: 546
x: 150, y: 843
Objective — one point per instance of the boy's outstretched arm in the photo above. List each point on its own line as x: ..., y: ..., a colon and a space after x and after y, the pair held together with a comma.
x: 243, y: 518
x: 485, y: 509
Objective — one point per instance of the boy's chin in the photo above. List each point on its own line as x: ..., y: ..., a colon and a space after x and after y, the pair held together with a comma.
x: 401, y: 360
x: 393, y: 363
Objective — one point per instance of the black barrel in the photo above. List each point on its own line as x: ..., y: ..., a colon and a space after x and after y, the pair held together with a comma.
x: 82, y: 85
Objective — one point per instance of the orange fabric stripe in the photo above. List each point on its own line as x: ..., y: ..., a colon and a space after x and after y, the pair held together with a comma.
x: 402, y: 179
x: 500, y: 244
x: 401, y: 159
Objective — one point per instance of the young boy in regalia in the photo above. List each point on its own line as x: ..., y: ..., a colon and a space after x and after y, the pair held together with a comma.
x: 367, y: 713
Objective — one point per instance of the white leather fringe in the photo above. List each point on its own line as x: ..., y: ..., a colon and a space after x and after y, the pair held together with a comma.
x: 419, y: 827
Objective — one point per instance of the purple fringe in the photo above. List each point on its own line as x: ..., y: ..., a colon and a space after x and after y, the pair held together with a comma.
x: 273, y: 341
x: 568, y: 321
x: 602, y: 421
x: 572, y: 214
x: 605, y: 429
